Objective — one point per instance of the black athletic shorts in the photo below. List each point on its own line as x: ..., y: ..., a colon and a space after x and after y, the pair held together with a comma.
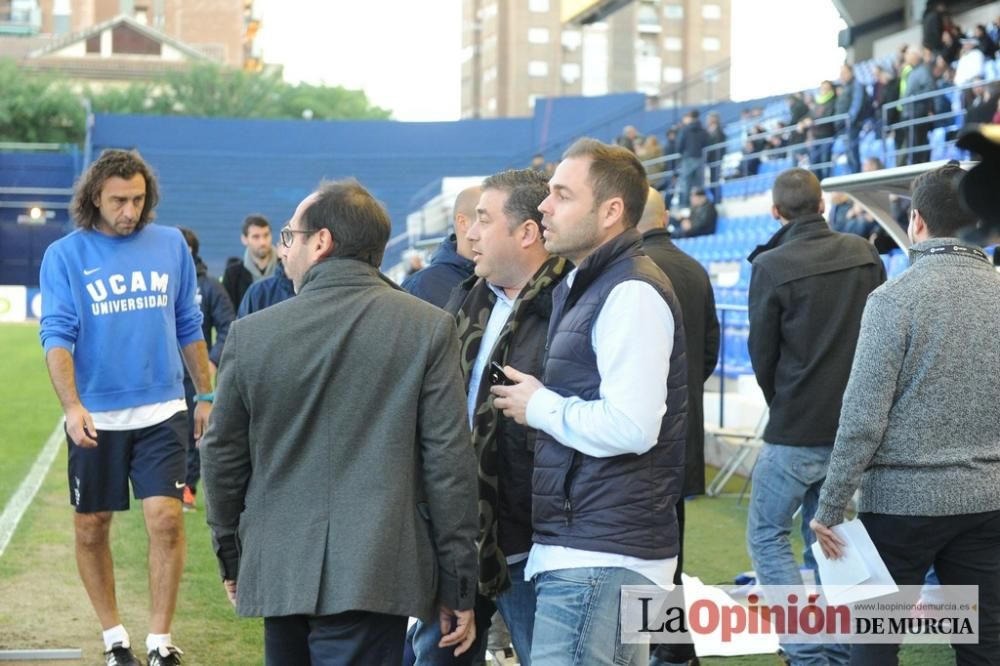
x: 154, y: 458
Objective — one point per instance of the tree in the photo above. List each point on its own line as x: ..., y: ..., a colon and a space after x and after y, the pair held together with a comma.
x: 36, y: 107
x: 42, y: 107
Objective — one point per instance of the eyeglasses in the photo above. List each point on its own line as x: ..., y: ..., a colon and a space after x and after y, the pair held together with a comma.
x: 287, y: 234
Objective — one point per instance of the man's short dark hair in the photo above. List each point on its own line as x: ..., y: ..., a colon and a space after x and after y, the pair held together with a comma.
x: 255, y: 220
x: 796, y: 192
x: 614, y: 172
x: 191, y: 238
x: 125, y: 164
x: 359, y: 224
x: 935, y: 195
x: 526, y: 189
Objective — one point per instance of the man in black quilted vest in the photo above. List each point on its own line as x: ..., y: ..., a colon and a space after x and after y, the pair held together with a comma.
x: 610, y: 411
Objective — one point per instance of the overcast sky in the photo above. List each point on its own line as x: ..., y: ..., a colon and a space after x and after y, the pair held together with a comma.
x: 406, y: 54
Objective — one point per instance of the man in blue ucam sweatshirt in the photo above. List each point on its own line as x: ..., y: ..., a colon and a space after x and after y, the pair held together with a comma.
x: 118, y: 299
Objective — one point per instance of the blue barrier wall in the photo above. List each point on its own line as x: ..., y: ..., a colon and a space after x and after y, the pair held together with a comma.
x: 29, y: 179
x: 214, y: 172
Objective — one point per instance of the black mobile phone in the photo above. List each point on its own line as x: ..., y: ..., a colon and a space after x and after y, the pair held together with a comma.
x: 497, y: 376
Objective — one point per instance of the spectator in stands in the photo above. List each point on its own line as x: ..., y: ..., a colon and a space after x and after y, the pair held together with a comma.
x: 952, y: 45
x: 538, y: 162
x: 855, y: 103
x: 503, y: 317
x: 933, y: 24
x: 798, y: 110
x: 985, y: 42
x: 821, y: 130
x: 269, y: 291
x: 807, y: 290
x: 970, y: 63
x: 702, y: 217
x: 611, y: 418
x: 848, y: 217
x: 983, y: 105
x: 628, y: 138
x: 716, y: 137
x: 691, y: 141
x: 333, y: 546
x: 118, y: 301
x: 258, y: 260
x: 650, y: 149
x: 918, y: 429
x: 917, y: 79
x: 886, y: 92
x: 750, y: 163
x: 669, y: 184
x: 452, y: 260
x: 701, y: 338
x: 216, y: 316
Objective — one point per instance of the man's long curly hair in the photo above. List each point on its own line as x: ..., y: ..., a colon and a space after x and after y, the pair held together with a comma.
x: 112, y: 164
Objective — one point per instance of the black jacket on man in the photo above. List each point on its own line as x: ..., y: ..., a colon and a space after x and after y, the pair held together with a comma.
x: 807, y: 291
x: 447, y: 269
x: 236, y: 279
x: 693, y: 290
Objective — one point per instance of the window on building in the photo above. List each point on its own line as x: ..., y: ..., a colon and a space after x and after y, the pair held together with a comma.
x: 673, y: 74
x: 673, y: 43
x: 711, y: 44
x: 673, y: 11
x: 571, y: 72
x: 711, y: 12
x: 572, y: 39
x: 489, y: 74
x: 538, y: 68
x: 491, y: 104
x: 532, y: 99
x: 538, y: 35
x: 540, y: 6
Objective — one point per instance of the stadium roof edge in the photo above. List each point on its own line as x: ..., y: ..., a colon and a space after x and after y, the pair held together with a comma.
x: 872, y: 190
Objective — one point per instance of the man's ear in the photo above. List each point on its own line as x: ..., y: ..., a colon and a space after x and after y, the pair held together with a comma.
x: 530, y: 233
x: 614, y: 212
x: 822, y: 205
x: 323, y: 244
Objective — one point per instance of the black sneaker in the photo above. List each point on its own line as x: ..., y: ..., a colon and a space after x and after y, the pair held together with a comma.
x: 120, y: 655
x: 165, y: 656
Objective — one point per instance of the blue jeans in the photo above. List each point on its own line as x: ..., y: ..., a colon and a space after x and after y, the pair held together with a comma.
x: 516, y: 605
x: 785, y: 478
x: 576, y: 618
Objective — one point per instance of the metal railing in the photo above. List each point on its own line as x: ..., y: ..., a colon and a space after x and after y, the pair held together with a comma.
x: 914, y: 128
x: 723, y: 310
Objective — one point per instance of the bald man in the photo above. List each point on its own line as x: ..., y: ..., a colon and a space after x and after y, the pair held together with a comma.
x: 451, y: 262
x: 701, y: 336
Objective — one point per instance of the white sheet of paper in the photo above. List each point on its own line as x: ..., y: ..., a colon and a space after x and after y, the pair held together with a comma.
x: 860, y: 573
x: 712, y: 644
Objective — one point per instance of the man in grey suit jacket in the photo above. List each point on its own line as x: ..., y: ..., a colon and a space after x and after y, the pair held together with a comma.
x: 340, y: 484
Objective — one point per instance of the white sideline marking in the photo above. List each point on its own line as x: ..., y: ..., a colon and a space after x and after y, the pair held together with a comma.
x: 26, y: 492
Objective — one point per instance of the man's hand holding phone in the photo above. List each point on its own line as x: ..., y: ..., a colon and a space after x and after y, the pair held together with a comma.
x: 514, y: 392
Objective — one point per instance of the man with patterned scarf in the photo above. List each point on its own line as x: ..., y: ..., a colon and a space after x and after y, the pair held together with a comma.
x: 503, y: 316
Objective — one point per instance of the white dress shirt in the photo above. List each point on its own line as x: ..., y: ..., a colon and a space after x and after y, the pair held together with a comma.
x: 632, y: 338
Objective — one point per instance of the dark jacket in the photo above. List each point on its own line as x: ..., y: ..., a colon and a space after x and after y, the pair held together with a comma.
x: 920, y: 80
x: 267, y: 292
x: 620, y: 504
x: 691, y: 140
x: 216, y: 313
x: 337, y: 468
x: 807, y: 292
x: 435, y: 282
x: 701, y: 336
x: 507, y: 463
x: 703, y: 220
x: 236, y: 279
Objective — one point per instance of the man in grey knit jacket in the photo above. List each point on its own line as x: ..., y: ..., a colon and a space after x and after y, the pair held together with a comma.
x: 918, y: 428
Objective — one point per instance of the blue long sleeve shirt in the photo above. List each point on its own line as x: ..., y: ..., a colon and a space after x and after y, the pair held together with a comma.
x: 121, y: 306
